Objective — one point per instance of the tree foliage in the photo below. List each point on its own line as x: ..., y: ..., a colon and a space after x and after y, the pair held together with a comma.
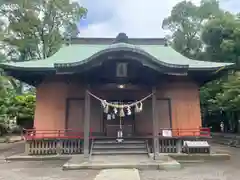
x: 37, y: 28
x: 206, y: 32
x: 229, y: 99
x: 17, y: 106
x: 29, y: 30
x: 222, y: 38
x: 186, y: 22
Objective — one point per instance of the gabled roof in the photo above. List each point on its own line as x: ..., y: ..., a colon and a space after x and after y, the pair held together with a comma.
x: 80, y: 54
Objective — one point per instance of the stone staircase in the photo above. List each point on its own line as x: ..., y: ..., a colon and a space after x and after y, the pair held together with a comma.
x: 111, y: 147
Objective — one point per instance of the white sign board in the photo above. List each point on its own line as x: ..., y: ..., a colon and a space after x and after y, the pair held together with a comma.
x: 167, y: 133
x: 196, y: 143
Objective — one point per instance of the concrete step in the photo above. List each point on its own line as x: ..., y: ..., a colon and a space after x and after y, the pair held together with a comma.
x: 111, y: 152
x: 115, y: 142
x: 172, y: 165
x: 118, y: 149
x: 119, y: 146
x: 121, y: 149
x: 108, y: 147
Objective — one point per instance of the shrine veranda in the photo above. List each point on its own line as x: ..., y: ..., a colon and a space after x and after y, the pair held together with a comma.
x: 96, y: 88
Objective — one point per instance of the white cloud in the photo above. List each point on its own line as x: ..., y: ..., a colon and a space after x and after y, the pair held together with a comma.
x: 137, y: 18
x: 231, y: 5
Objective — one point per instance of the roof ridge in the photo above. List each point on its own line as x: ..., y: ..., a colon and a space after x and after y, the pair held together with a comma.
x: 108, y: 41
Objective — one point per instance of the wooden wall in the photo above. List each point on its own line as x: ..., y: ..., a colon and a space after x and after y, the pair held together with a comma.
x: 185, y: 103
x: 60, y: 105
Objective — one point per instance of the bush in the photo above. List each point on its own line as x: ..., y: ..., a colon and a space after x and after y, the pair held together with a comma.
x: 17, y: 107
x: 3, y: 129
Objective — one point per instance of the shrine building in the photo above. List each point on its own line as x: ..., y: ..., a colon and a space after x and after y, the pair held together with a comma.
x: 94, y: 88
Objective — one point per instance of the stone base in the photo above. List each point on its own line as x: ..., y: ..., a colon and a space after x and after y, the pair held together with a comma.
x: 122, y: 162
x: 190, y: 158
x: 147, y: 166
x: 22, y: 157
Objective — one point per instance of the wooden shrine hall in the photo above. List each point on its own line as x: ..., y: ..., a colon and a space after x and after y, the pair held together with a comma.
x: 114, y: 88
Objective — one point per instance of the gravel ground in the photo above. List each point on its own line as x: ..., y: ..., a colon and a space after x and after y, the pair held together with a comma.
x: 51, y: 170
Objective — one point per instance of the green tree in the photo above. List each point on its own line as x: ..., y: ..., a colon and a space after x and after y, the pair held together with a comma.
x: 222, y: 38
x: 6, y: 83
x: 37, y: 28
x: 186, y: 22
x: 208, y: 33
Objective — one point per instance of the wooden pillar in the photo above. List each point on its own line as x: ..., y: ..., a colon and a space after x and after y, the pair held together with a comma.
x: 86, y: 125
x: 155, y: 125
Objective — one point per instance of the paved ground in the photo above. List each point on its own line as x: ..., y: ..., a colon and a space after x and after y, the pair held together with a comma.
x: 41, y: 171
x: 7, y: 149
x: 118, y: 174
x: 52, y: 170
x: 225, y: 170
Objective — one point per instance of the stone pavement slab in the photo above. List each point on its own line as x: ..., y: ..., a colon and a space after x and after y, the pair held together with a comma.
x: 100, y: 162
x: 23, y: 157
x: 118, y: 174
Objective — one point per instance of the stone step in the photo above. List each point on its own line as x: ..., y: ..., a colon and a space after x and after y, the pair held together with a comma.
x: 115, y: 142
x: 172, y: 165
x: 110, y: 152
x: 119, y: 146
x: 108, y: 147
x: 118, y: 149
x: 121, y: 149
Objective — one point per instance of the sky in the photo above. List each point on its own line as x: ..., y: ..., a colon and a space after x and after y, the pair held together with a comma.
x: 136, y: 18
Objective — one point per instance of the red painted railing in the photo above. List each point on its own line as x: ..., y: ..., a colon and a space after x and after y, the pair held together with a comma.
x: 202, y: 132
x: 31, y: 134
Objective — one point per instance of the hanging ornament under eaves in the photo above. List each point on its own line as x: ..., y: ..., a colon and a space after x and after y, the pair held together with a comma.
x: 138, y: 107
x: 109, y: 117
x: 121, y: 113
x: 106, y: 109
x: 105, y: 106
x: 129, y: 110
x: 113, y: 116
x: 104, y: 103
x: 115, y: 110
x: 116, y: 107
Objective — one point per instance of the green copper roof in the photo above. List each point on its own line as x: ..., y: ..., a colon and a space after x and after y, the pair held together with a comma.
x: 82, y: 53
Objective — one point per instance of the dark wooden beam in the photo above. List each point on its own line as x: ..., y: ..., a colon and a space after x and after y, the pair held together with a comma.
x: 155, y: 124
x: 86, y: 125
